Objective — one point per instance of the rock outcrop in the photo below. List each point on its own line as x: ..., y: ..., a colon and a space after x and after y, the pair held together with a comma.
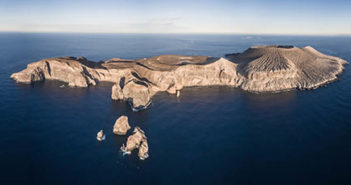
x: 137, y: 141
x: 259, y: 69
x: 121, y: 126
x: 134, y: 141
x: 143, y: 150
x: 100, y: 136
x: 136, y: 92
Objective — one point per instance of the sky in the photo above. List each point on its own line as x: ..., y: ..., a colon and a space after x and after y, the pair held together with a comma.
x: 297, y: 17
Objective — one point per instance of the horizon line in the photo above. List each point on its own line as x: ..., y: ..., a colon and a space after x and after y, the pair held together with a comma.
x: 182, y: 33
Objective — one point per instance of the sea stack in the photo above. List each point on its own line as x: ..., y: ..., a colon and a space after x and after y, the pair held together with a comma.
x: 258, y: 69
x: 137, y: 140
x: 100, y: 136
x: 121, y: 126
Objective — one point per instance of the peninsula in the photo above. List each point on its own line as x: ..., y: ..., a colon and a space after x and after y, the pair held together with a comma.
x: 259, y: 69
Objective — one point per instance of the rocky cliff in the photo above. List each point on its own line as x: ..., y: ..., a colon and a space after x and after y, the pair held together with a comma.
x: 121, y: 126
x: 137, y: 141
x: 259, y: 68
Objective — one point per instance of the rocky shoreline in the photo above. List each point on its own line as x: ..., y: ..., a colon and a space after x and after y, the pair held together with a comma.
x: 258, y: 69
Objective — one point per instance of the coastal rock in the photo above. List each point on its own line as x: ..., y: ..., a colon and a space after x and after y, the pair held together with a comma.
x: 67, y: 69
x: 121, y: 126
x: 100, y: 136
x: 137, y: 93
x: 134, y: 141
x: 137, y: 140
x: 258, y: 69
x: 134, y: 91
x: 117, y: 93
x: 143, y: 150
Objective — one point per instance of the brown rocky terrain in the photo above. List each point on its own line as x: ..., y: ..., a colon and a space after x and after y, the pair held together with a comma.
x: 137, y: 140
x: 259, y: 69
x: 121, y: 126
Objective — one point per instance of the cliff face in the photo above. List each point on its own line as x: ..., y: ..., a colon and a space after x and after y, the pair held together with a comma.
x: 76, y: 72
x: 260, y: 68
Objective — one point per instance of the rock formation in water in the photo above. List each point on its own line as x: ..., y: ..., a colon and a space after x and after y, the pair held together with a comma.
x: 178, y: 94
x: 259, y: 69
x: 137, y: 141
x: 100, y: 136
x: 143, y: 150
x: 136, y: 92
x: 134, y: 141
x: 121, y: 126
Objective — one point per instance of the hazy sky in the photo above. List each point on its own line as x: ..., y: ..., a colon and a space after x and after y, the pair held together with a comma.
x: 178, y: 16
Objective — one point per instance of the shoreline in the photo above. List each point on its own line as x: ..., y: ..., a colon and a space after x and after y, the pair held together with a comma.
x: 259, y: 69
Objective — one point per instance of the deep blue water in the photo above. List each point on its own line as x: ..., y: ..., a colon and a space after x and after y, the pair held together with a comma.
x: 207, y: 136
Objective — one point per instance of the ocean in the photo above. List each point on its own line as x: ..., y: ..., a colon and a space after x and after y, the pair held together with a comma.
x: 217, y: 135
